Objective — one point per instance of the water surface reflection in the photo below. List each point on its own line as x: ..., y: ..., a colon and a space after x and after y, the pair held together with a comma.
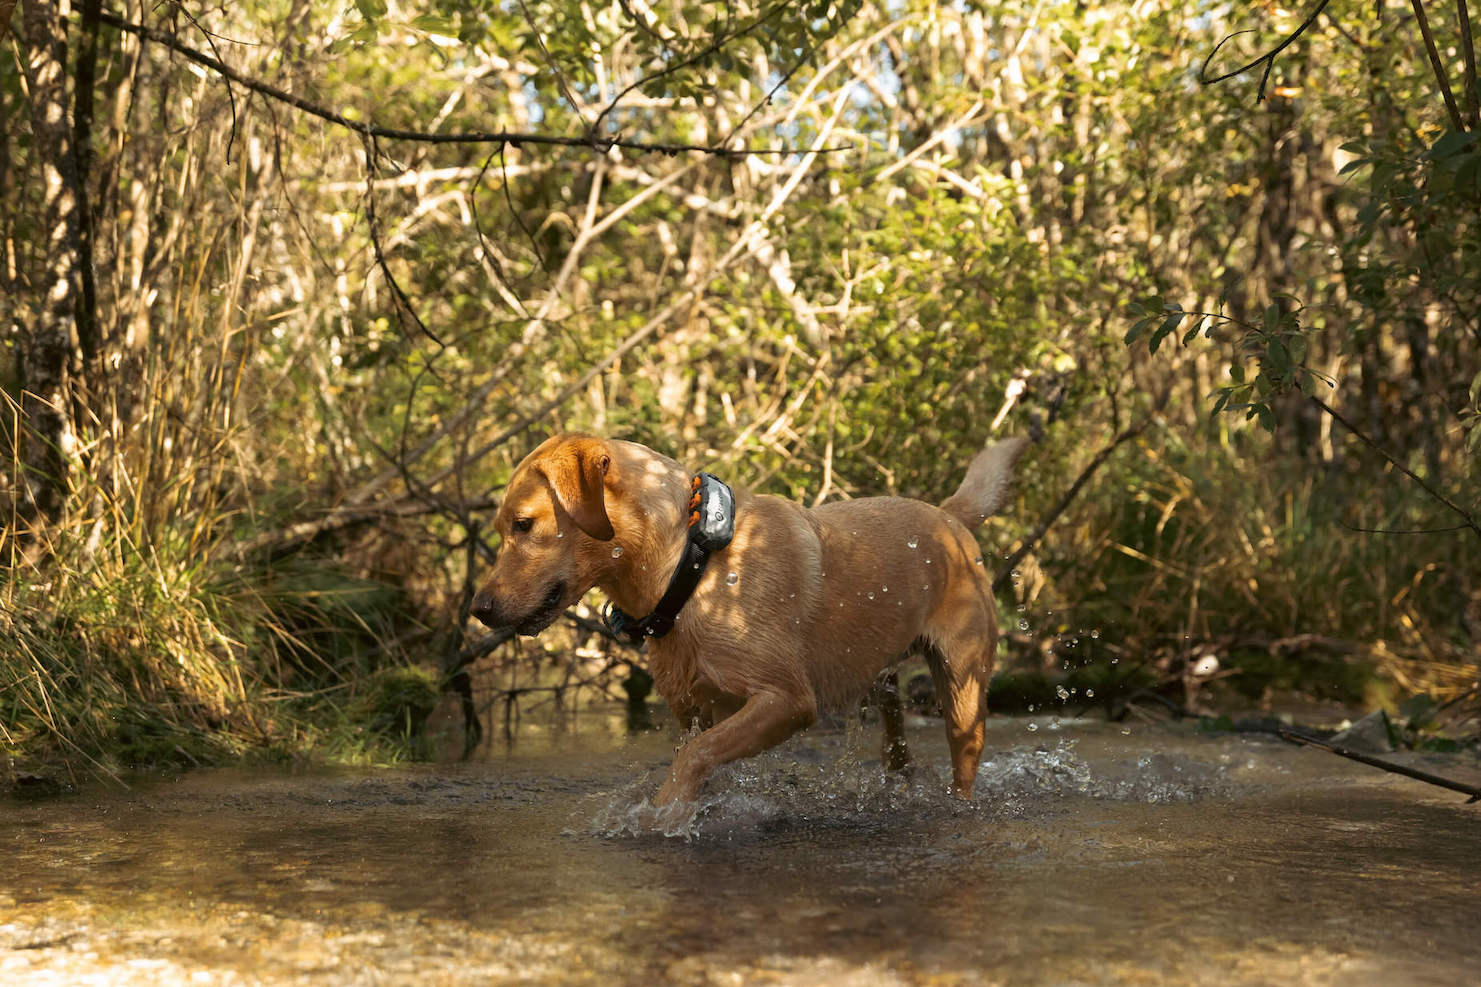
x: 1089, y: 857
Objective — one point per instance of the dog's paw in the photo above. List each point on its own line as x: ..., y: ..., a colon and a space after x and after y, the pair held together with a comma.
x: 676, y: 818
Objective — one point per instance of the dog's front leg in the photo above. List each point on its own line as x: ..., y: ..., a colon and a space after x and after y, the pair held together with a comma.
x: 766, y: 719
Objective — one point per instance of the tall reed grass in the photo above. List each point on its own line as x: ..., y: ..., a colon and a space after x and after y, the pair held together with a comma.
x: 127, y: 647
x: 1271, y: 567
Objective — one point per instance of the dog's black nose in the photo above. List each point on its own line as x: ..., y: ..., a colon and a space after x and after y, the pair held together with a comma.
x: 484, y: 609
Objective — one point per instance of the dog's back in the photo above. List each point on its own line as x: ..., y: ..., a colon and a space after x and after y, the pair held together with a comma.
x: 896, y: 571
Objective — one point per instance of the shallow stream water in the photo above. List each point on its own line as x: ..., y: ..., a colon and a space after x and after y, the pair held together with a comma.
x: 1090, y: 856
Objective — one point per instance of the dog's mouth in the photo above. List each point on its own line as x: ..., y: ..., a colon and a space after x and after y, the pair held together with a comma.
x: 544, y: 614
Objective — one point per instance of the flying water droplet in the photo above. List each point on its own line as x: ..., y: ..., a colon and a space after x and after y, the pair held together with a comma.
x: 914, y: 541
x: 1061, y: 692
x: 1022, y: 624
x: 1089, y: 693
x: 1095, y: 632
x: 871, y: 594
x: 616, y: 551
x: 1032, y: 727
x: 732, y: 578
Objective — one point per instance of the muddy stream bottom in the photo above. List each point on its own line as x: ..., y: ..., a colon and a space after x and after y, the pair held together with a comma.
x: 1090, y: 856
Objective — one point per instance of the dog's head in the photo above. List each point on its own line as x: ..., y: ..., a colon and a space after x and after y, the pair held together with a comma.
x: 554, y: 524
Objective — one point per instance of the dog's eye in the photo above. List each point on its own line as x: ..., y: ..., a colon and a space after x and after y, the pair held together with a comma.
x: 523, y: 524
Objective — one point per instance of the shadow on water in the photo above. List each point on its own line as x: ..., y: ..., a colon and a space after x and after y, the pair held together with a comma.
x: 1089, y: 856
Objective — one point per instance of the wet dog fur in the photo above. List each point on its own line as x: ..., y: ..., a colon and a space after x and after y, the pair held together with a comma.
x: 801, y: 612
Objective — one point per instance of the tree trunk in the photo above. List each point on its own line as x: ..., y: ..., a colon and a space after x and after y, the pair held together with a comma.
x: 7, y: 7
x: 48, y: 358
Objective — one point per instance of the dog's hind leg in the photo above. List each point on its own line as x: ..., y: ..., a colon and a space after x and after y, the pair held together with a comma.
x: 885, y: 694
x: 961, y: 664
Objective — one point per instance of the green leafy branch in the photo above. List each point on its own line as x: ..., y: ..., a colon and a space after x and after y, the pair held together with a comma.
x: 1276, y: 346
x: 1470, y: 418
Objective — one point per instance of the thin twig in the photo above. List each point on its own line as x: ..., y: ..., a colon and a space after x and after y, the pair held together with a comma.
x: 1400, y: 531
x: 766, y: 101
x: 1468, y: 57
x: 403, y: 302
x: 1400, y: 769
x: 515, y: 211
x: 1052, y: 515
x: 1437, y: 66
x: 231, y: 96
x: 555, y: 69
x: 276, y: 543
x: 719, y: 43
x: 1469, y: 521
x: 1268, y: 58
x: 690, y: 295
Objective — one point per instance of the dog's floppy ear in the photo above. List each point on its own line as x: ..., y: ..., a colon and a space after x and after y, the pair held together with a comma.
x: 577, y: 470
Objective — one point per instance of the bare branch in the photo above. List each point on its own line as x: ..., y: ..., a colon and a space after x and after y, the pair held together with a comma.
x: 1052, y: 515
x: 1268, y: 58
x: 1468, y: 56
x: 1437, y: 66
x: 719, y: 43
x: 514, y: 138
x: 1467, y: 520
x: 403, y: 303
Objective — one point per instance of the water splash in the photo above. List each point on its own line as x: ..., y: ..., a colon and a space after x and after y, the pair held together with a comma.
x: 799, y: 789
x: 1057, y: 771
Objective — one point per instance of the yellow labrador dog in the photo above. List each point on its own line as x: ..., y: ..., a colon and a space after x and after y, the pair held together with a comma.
x: 799, y: 610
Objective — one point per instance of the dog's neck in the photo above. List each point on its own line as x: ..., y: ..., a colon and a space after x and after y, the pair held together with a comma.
x: 652, y: 540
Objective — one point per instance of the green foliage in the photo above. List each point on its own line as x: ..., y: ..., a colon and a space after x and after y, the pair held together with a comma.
x: 1259, y: 674
x: 397, y: 702
x: 1274, y: 349
x: 134, y: 657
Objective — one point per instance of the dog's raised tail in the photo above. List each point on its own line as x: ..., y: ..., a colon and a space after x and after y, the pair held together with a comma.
x: 985, y: 489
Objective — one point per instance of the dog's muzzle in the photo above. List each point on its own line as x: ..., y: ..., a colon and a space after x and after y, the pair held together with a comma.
x: 488, y: 610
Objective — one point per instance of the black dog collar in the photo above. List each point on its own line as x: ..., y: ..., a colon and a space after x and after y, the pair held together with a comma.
x: 711, y: 526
